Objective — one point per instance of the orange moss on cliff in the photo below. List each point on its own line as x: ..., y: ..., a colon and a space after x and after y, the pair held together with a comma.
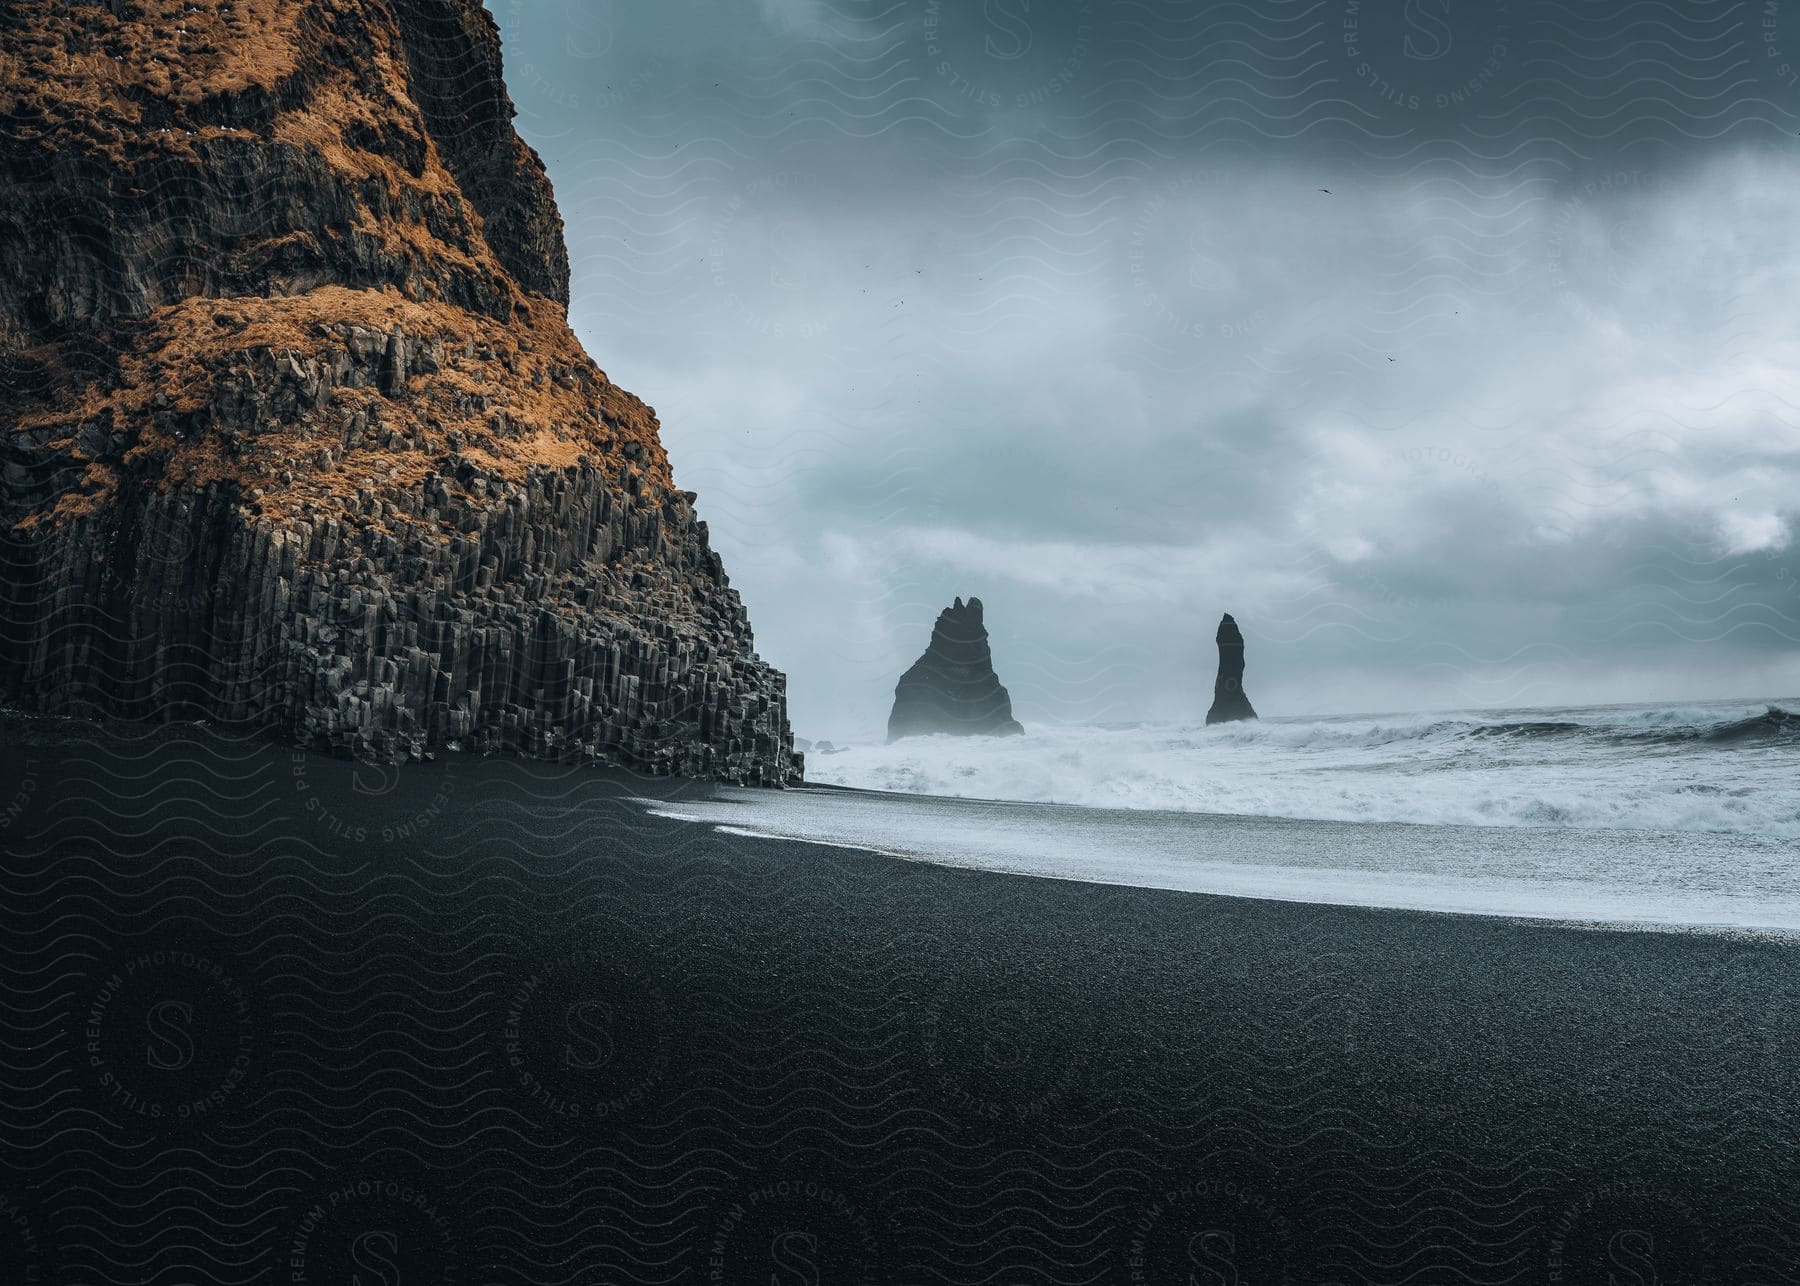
x: 522, y: 396
x: 150, y: 374
x: 86, y: 68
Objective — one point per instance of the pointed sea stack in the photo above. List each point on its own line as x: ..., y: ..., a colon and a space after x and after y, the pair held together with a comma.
x: 953, y: 687
x: 1229, y: 702
x: 294, y: 434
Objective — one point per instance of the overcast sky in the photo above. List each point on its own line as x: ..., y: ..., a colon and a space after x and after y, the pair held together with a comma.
x: 1042, y: 302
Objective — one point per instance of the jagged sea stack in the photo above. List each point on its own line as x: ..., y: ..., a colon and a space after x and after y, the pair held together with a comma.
x: 1229, y: 702
x: 953, y: 687
x: 294, y: 434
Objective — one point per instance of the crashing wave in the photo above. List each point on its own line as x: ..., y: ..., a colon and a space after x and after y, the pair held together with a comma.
x: 1696, y: 769
x: 1776, y: 722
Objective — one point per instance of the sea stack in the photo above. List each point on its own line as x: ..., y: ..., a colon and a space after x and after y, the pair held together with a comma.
x: 1229, y: 702
x: 294, y: 434
x: 953, y: 687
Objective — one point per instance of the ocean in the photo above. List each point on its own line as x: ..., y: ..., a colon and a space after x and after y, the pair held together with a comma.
x: 1672, y: 815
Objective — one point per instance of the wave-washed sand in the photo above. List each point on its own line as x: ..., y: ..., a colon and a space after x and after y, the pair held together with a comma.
x: 488, y: 1021
x: 1670, y: 879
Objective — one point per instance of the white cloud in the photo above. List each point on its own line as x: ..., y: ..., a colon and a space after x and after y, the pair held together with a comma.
x: 1752, y: 533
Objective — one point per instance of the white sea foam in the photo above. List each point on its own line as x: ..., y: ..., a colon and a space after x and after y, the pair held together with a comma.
x: 1642, y: 877
x: 1725, y: 768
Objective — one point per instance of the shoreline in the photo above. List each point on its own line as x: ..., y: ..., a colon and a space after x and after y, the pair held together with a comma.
x: 1656, y: 881
x: 111, y: 736
x: 1769, y: 933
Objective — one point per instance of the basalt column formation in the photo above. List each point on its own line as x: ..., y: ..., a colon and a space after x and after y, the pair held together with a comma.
x: 294, y: 433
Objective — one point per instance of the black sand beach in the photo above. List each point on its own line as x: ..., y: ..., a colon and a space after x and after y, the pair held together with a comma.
x: 275, y: 1017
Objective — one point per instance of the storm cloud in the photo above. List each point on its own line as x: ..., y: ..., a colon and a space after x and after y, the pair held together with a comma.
x: 1451, y: 348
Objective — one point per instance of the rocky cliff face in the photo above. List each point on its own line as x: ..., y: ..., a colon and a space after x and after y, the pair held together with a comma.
x: 293, y: 430
x: 953, y: 687
x: 1229, y: 702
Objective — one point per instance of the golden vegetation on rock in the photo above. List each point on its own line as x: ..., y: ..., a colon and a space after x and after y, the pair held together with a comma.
x: 149, y: 79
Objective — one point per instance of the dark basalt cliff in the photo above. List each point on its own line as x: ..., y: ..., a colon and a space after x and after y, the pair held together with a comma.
x: 1229, y: 702
x: 294, y: 433
x: 953, y: 687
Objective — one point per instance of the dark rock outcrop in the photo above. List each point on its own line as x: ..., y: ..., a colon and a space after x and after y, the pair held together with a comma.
x: 294, y: 434
x: 953, y: 687
x: 1229, y: 702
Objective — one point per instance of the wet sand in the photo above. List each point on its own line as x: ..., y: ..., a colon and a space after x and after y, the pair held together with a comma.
x: 273, y: 1016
